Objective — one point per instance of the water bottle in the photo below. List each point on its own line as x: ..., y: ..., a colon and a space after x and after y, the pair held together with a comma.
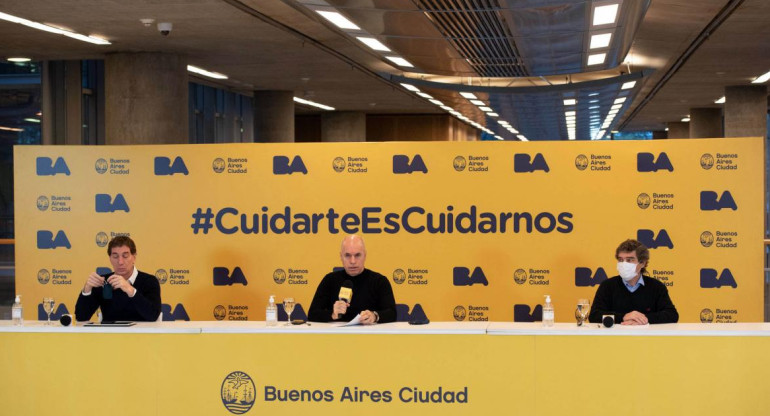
x: 16, y: 312
x: 548, y: 311
x: 271, y: 314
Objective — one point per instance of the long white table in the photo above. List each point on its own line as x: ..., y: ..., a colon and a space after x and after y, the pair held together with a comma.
x: 459, y: 368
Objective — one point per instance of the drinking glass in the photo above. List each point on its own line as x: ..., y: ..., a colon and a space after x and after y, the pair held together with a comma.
x: 48, y: 304
x: 582, y: 311
x: 288, y: 306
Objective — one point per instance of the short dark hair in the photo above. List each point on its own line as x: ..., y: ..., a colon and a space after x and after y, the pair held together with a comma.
x: 642, y: 253
x: 121, y: 241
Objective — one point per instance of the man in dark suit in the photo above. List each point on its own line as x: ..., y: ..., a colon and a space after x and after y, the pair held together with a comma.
x: 126, y: 294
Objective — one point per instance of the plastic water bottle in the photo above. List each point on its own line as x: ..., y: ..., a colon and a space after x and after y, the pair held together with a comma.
x: 271, y: 314
x: 548, y: 311
x: 16, y: 312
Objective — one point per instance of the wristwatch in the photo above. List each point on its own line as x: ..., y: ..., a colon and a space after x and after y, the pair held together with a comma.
x: 376, y: 317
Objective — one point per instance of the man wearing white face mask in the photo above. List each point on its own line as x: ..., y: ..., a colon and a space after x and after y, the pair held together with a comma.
x: 633, y: 297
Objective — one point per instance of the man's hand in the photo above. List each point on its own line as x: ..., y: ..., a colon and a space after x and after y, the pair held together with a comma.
x: 634, y: 318
x: 368, y: 318
x: 119, y: 282
x: 339, y: 309
x: 94, y: 280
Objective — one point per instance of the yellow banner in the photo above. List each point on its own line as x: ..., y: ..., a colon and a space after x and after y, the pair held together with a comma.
x: 464, y: 231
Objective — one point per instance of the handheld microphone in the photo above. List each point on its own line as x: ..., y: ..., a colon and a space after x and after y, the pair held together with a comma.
x: 65, y: 320
x: 346, y: 291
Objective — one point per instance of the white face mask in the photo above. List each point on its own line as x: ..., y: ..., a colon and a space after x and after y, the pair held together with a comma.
x: 627, y: 271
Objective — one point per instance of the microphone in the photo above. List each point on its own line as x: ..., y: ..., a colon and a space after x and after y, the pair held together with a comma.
x: 65, y: 320
x: 346, y: 291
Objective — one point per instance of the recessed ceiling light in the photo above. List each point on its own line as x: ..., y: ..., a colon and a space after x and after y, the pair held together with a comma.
x: 410, y: 87
x: 486, y: 109
x: 10, y: 129
x: 686, y: 119
x: 628, y: 85
x: 313, y: 104
x: 492, y: 114
x: 478, y: 102
x: 569, y: 113
x: 605, y: 15
x: 720, y: 101
x: 32, y: 120
x: 571, y: 101
x: 437, y: 102
x: 762, y: 78
x: 338, y: 20
x: 443, y: 107
x: 616, y: 107
x: 593, y: 94
x: 424, y: 95
x: 373, y: 43
x: 18, y: 59
x: 399, y: 61
x: 503, y: 122
x: 600, y: 41
x: 46, y: 28
x: 468, y: 95
x: 620, y: 100
x: 201, y: 71
x: 522, y: 138
x: 596, y: 59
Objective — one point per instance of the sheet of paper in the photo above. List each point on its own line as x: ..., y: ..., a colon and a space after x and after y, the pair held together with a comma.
x: 354, y: 321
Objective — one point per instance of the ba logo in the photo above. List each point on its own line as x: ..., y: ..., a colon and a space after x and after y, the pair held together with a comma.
x: 404, y: 315
x: 643, y: 201
x: 520, y: 276
x: 102, y: 239
x: 521, y: 313
x: 459, y: 163
x: 55, y: 315
x: 707, y: 162
x: 645, y: 162
x: 218, y: 165
x: 581, y: 162
x: 459, y: 313
x: 105, y: 203
x: 101, y: 166
x: 710, y: 201
x: 585, y: 277
x: 709, y: 279
x: 281, y: 165
x: 164, y: 167
x: 42, y: 203
x: 279, y: 276
x: 401, y: 164
x: 706, y: 316
x: 222, y: 277
x: 338, y: 164
x: 179, y: 313
x: 220, y: 312
x: 47, y: 167
x: 46, y: 240
x: 238, y: 392
x: 43, y: 276
x: 706, y: 239
x: 399, y: 276
x: 647, y: 237
x: 461, y: 276
x: 161, y: 275
x: 522, y: 163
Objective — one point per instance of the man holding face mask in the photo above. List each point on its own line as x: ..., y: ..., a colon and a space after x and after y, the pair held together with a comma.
x: 126, y: 294
x: 633, y: 297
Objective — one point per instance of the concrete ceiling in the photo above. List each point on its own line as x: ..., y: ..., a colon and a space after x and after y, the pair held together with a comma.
x: 280, y: 45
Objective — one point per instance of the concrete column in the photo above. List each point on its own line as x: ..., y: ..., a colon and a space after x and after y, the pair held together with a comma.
x: 705, y: 123
x: 274, y: 116
x: 146, y: 98
x: 343, y: 127
x: 746, y: 111
x: 678, y: 130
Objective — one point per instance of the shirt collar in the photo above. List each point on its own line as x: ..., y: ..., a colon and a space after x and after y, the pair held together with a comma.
x: 132, y: 279
x: 639, y: 282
